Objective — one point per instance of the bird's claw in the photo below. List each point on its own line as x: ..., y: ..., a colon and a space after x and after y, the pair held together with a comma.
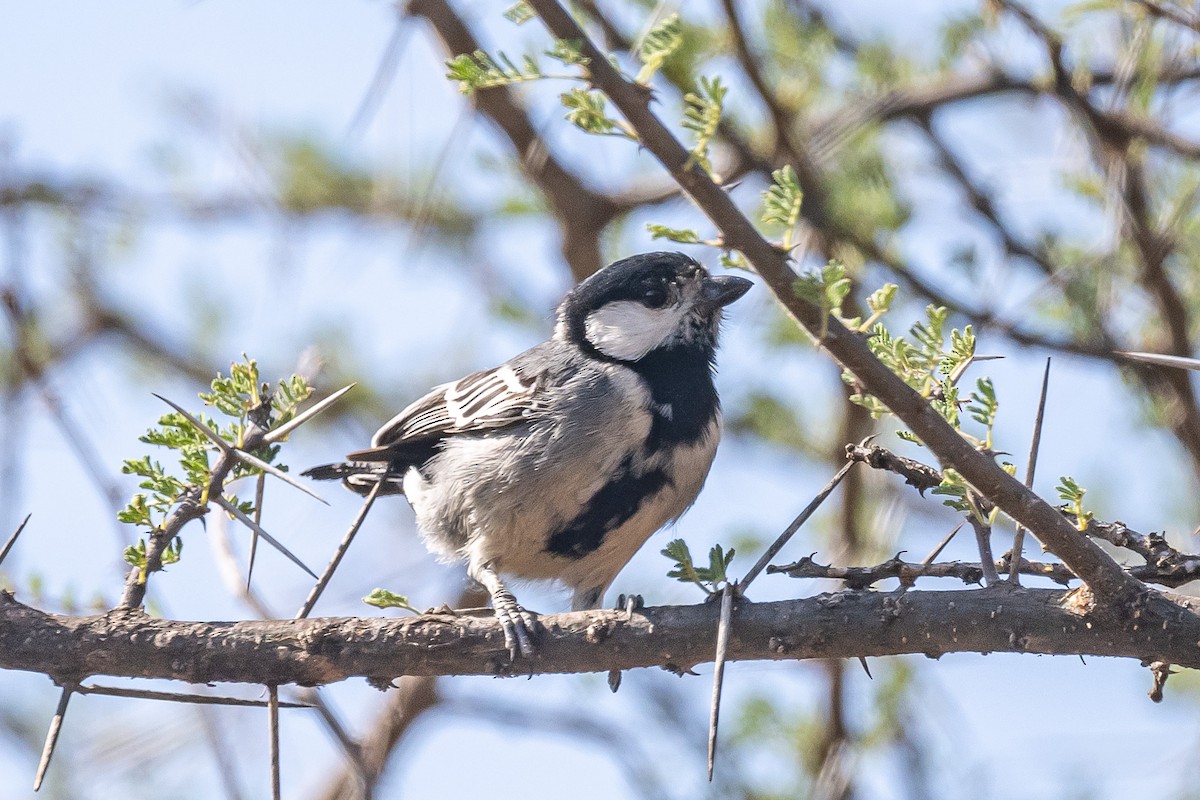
x: 519, y: 625
x: 629, y: 604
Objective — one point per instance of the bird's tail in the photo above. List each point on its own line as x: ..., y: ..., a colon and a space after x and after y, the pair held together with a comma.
x: 359, y: 476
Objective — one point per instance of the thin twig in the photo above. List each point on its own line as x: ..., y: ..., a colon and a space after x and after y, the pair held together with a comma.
x: 273, y: 722
x: 241, y: 517
x: 12, y: 540
x: 719, y: 673
x: 790, y: 531
x: 983, y: 538
x: 343, y: 545
x: 1030, y: 470
x: 178, y: 697
x: 52, y: 735
x: 908, y: 572
x: 259, y: 486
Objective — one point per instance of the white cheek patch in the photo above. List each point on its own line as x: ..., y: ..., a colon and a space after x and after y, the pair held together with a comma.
x: 627, y: 330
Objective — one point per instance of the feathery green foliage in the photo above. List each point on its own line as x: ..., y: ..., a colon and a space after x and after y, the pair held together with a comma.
x: 702, y: 115
x: 1072, y: 494
x: 661, y: 41
x: 708, y: 578
x: 587, y: 110
x: 243, y: 401
x: 478, y: 70
x: 781, y: 203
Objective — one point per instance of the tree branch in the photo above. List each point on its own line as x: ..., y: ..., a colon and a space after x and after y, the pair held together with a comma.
x: 129, y: 643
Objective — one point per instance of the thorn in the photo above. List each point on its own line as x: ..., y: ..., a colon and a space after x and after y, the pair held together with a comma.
x: 614, y: 680
x: 863, y: 660
x: 241, y: 517
x: 808, y: 511
x: 258, y: 504
x: 241, y: 455
x: 1179, y: 362
x: 273, y: 722
x: 719, y: 674
x: 258, y: 463
x: 343, y: 545
x: 937, y: 551
x: 52, y: 735
x: 12, y: 540
x: 1014, y: 568
x: 279, y: 434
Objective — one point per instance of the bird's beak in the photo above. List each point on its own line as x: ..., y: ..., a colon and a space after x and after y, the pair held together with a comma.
x: 722, y: 290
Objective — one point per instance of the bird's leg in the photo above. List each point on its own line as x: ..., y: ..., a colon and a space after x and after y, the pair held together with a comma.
x: 518, y: 624
x: 628, y: 604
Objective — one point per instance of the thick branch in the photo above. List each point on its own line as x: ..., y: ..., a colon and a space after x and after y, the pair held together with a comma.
x: 1084, y: 557
x: 841, y: 625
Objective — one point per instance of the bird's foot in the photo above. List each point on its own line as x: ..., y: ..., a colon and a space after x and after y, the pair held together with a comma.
x: 519, y: 625
x: 629, y: 604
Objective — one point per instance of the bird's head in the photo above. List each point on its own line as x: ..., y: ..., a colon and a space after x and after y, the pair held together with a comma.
x: 645, y: 303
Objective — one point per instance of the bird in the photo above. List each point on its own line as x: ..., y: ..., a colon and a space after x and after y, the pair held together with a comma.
x: 560, y: 463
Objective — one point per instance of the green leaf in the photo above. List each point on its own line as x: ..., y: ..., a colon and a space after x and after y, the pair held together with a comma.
x: 955, y: 487
x: 880, y: 301
x: 718, y: 564
x: 567, y: 52
x: 661, y: 41
x: 680, y: 235
x: 702, y: 115
x: 479, y: 70
x: 587, y: 110
x: 173, y: 552
x: 137, y: 512
x: 519, y: 13
x: 684, y: 570
x: 1072, y: 494
x: 733, y: 259
x: 382, y: 598
x: 781, y: 202
x: 135, y: 554
x: 984, y: 405
x: 826, y: 288
x: 707, y: 578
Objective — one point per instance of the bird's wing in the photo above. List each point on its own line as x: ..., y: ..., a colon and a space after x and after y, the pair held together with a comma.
x: 482, y: 401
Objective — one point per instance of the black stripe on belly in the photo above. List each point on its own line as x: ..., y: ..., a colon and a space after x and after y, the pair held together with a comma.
x: 608, y: 509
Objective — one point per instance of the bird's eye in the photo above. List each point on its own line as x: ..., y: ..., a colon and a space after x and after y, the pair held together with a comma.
x: 655, y: 296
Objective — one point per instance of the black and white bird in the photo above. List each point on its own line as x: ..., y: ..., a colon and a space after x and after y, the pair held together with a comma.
x: 560, y: 463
